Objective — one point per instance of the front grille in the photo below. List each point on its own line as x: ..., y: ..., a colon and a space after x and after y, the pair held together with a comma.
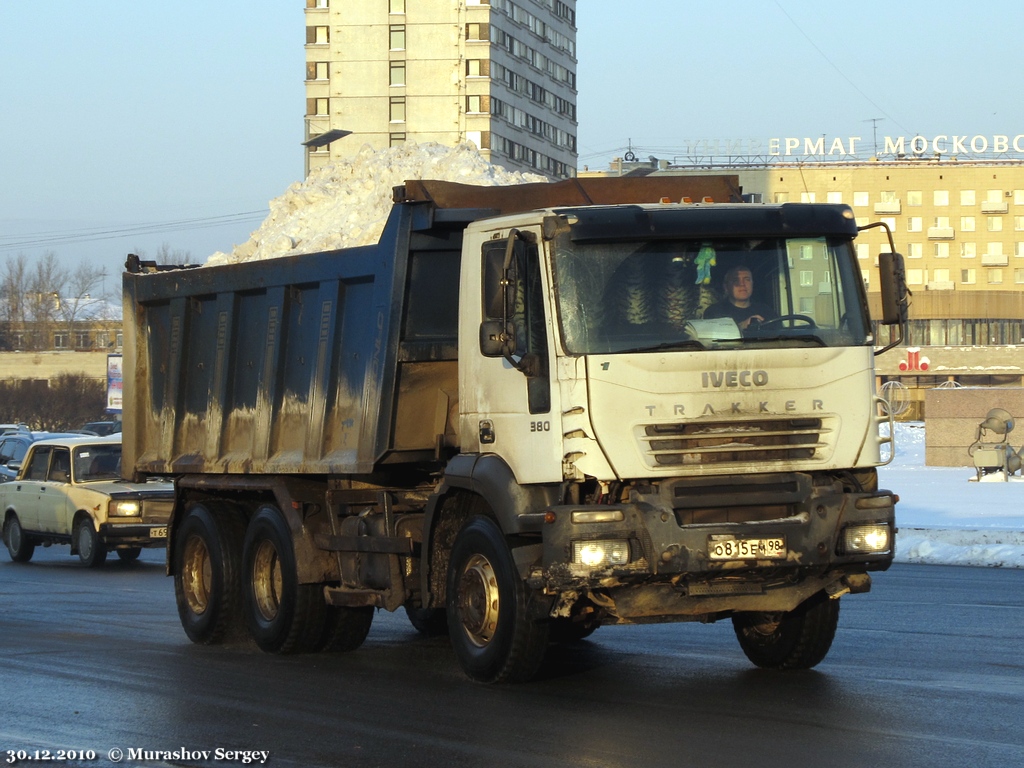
x: 760, y: 441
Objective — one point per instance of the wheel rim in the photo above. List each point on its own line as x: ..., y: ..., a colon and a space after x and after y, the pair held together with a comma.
x: 14, y: 535
x: 766, y: 625
x: 196, y: 575
x: 478, y: 600
x: 267, y: 580
x: 84, y: 541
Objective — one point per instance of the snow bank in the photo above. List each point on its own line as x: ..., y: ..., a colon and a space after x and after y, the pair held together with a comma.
x: 346, y: 204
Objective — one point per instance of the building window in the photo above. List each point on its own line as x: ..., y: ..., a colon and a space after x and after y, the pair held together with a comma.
x: 806, y: 197
x: 60, y: 341
x: 396, y: 139
x: 914, y: 197
x: 941, y: 276
x: 82, y: 340
x: 915, y: 277
x: 478, y: 104
x: 806, y: 252
x: 942, y: 222
x: 966, y: 223
x: 968, y: 276
x: 915, y: 224
x: 863, y: 251
x: 888, y: 196
x: 397, y: 109
x: 318, y: 35
x: 994, y: 224
x: 1018, y: 223
x: 915, y: 251
x: 890, y: 222
x: 1018, y: 197
x: 317, y: 70
x: 968, y: 250
x: 318, y: 107
x: 994, y: 249
x: 967, y: 197
x: 317, y: 3
x: 995, y: 277
x: 806, y: 278
x: 860, y: 198
x: 781, y: 197
x: 942, y: 250
x: 396, y: 6
x: 866, y: 277
x: 1018, y: 275
x: 397, y: 37
x: 478, y: 68
x: 834, y: 197
x: 1018, y: 250
x: 994, y: 196
x: 940, y: 197
x: 397, y: 73
x: 478, y: 31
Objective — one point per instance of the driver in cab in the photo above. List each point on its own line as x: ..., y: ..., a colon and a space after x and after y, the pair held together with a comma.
x: 738, y: 285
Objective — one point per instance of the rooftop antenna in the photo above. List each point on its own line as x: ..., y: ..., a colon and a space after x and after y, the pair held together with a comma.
x: 874, y: 131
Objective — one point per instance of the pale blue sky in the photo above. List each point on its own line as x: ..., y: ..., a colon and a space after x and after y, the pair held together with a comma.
x: 121, y: 121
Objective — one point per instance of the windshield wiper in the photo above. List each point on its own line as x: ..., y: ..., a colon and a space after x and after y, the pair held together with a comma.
x: 677, y: 344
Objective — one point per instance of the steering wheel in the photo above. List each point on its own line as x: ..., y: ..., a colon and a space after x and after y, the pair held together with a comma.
x: 808, y: 321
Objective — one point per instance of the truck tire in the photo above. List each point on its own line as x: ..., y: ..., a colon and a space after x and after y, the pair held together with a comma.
x: 432, y: 622
x: 91, y: 550
x: 283, y: 616
x: 797, y: 639
x: 19, y: 546
x: 207, y: 561
x: 494, y: 638
x: 345, y: 629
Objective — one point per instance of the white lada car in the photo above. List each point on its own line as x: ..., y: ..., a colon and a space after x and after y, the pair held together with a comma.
x: 70, y: 491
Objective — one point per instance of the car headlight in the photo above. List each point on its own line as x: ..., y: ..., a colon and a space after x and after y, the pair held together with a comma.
x: 124, y: 508
x: 863, y: 539
x: 595, y: 554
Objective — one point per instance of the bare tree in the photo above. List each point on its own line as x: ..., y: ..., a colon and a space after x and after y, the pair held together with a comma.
x: 167, y: 255
x: 81, y: 299
x: 13, y: 288
x: 44, y: 285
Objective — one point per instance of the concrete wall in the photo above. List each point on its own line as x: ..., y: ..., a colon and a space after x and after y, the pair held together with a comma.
x: 47, y: 365
x: 953, y: 416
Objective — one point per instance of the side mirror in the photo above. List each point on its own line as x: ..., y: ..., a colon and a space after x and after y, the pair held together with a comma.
x: 496, y: 340
x: 893, y: 286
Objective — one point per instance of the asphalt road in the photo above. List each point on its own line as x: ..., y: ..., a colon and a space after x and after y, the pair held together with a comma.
x: 926, y: 670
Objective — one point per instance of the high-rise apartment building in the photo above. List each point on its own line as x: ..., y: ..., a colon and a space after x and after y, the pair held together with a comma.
x: 498, y: 73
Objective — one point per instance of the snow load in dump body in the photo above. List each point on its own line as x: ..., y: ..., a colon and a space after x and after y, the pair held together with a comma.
x: 330, y: 362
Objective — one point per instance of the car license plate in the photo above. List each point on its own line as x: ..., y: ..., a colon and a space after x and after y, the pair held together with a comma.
x: 158, y: 533
x: 726, y: 547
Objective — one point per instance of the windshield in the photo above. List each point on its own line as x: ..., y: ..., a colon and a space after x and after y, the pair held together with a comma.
x: 97, y: 462
x: 710, y: 294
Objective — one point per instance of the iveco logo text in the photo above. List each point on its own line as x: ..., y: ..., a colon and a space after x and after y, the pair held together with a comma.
x: 719, y: 379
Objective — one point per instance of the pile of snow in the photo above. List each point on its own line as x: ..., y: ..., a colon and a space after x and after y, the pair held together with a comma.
x: 943, y: 517
x: 346, y: 204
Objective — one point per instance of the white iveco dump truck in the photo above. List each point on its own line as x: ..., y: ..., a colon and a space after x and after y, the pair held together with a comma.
x: 519, y: 417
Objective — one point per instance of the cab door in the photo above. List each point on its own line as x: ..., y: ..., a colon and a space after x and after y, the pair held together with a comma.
x: 507, y: 392
x: 29, y: 491
x: 53, y: 494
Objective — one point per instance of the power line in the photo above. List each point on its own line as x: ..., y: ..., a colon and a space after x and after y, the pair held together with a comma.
x: 92, y: 234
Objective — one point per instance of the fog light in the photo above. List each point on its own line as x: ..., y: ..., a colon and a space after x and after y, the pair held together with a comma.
x: 866, y: 538
x: 595, y: 554
x: 123, y: 509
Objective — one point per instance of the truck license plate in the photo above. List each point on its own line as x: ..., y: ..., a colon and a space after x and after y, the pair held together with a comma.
x: 158, y: 533
x: 725, y: 547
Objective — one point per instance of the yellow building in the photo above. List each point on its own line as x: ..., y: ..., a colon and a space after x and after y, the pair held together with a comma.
x: 498, y: 73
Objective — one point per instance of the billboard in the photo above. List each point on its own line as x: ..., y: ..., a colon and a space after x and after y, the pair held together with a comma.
x: 115, y: 383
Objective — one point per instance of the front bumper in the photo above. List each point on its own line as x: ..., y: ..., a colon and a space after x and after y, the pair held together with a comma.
x: 133, y: 534
x: 675, y: 531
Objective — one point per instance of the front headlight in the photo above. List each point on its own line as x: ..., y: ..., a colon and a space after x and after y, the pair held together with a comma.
x: 124, y: 508
x: 867, y: 539
x: 597, y: 554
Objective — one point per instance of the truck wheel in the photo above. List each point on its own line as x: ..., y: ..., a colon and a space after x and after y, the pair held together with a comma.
x: 283, y: 616
x: 91, y: 551
x: 432, y: 622
x: 491, y: 631
x: 207, y: 559
x: 345, y: 629
x: 797, y: 639
x: 19, y: 546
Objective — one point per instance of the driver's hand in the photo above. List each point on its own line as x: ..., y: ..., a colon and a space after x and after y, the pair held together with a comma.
x: 753, y: 319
